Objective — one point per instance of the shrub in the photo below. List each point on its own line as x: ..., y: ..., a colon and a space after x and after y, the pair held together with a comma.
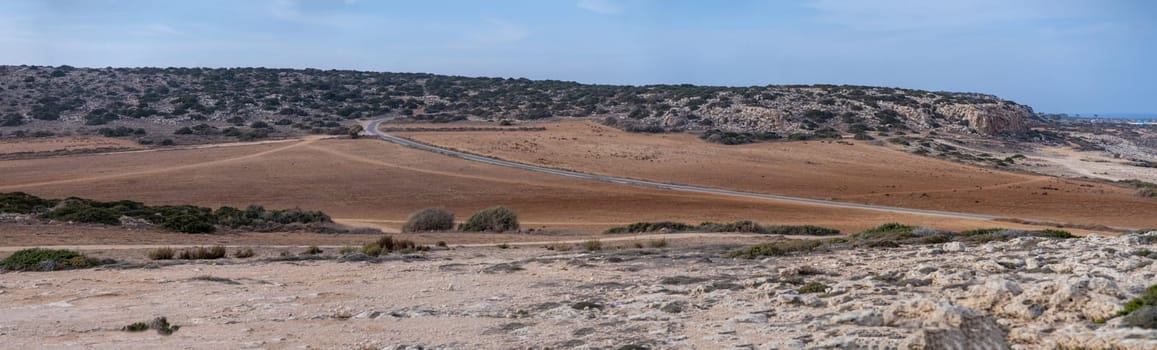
x: 643, y: 227
x: 160, y: 324
x: 243, y: 253
x: 23, y: 203
x: 165, y: 253
x: 802, y: 230
x: 593, y: 245
x: 86, y: 214
x: 429, y: 219
x: 495, y: 219
x: 1054, y: 234
x: 202, y: 253
x: 813, y: 287
x: 890, y: 230
x: 387, y: 244
x: 37, y: 259
x: 780, y: 248
x: 657, y: 243
x: 312, y: 250
x: 1148, y: 298
x: 188, y: 224
x: 346, y: 250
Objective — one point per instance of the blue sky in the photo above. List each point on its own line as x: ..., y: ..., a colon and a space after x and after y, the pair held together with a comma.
x: 1055, y: 55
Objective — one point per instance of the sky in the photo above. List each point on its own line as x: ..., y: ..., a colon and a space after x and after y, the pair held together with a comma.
x: 1071, y: 56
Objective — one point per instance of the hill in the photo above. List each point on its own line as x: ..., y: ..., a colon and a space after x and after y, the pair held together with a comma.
x: 254, y: 103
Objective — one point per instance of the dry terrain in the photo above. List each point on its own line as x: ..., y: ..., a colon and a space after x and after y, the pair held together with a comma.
x: 1027, y: 293
x: 847, y: 171
x: 370, y: 182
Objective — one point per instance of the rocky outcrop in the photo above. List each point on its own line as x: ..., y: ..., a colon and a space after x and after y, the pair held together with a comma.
x: 990, y: 118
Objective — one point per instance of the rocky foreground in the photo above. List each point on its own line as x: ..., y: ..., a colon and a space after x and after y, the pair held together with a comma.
x: 1026, y: 293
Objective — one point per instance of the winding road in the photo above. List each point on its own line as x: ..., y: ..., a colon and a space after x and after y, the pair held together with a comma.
x: 373, y: 129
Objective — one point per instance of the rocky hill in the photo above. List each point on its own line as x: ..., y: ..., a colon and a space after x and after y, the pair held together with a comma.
x: 297, y: 101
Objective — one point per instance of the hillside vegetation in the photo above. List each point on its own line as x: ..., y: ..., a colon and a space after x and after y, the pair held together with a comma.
x: 253, y: 103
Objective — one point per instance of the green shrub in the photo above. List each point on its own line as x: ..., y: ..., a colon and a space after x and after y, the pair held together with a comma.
x: 188, y: 224
x: 346, y: 250
x: 980, y: 231
x: 429, y: 219
x: 79, y: 212
x: 37, y: 259
x: 1050, y: 233
x: 780, y: 248
x: 164, y: 253
x: 23, y: 203
x: 889, y: 230
x: 160, y: 324
x: 1148, y: 298
x: 495, y: 219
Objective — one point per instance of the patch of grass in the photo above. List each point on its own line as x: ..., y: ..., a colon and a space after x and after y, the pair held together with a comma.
x: 780, y: 248
x: 202, y: 253
x: 312, y: 250
x: 593, y: 245
x: 813, y: 287
x: 503, y: 246
x: 657, y: 243
x: 441, y: 244
x: 494, y: 219
x: 37, y: 259
x: 1061, y: 234
x: 980, y: 231
x: 243, y: 253
x: 429, y: 220
x: 346, y: 250
x: 164, y: 253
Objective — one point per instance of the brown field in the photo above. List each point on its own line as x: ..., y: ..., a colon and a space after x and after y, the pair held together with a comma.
x: 827, y: 170
x: 65, y: 145
x: 370, y: 182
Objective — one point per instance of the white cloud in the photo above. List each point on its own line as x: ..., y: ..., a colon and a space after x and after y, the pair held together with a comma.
x: 600, y: 6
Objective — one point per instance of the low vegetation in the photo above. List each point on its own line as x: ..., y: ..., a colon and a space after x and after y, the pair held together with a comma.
x: 202, y: 253
x: 1142, y: 310
x: 164, y: 253
x: 494, y: 219
x: 593, y: 245
x: 1144, y: 189
x: 159, y: 324
x: 743, y: 226
x: 38, y: 259
x: 891, y: 235
x: 179, y: 218
x: 429, y: 220
x: 388, y: 244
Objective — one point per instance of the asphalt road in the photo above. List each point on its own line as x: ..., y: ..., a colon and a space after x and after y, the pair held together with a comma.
x: 372, y: 129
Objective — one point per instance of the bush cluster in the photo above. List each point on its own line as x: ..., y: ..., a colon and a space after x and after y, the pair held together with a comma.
x: 742, y: 226
x: 388, y: 244
x: 37, y: 259
x: 179, y: 218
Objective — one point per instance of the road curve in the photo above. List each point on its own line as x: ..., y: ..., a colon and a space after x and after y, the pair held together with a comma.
x: 373, y: 129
